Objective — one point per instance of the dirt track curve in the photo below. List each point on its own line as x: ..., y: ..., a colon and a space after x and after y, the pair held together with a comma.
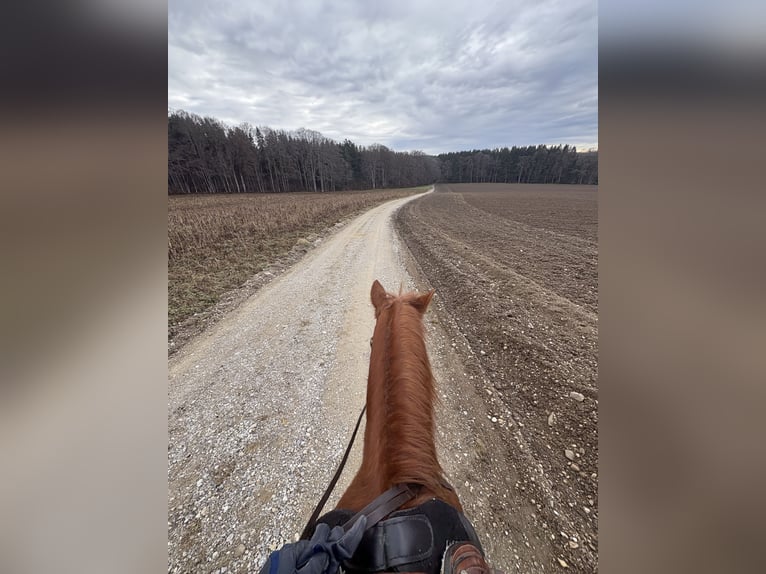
x: 261, y: 405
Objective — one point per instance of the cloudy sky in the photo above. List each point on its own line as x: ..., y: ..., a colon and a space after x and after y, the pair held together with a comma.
x: 431, y: 75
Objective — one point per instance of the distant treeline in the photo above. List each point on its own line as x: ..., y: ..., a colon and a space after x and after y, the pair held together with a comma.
x: 532, y: 164
x: 206, y: 156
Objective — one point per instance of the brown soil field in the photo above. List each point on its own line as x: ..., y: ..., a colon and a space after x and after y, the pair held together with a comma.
x: 218, y: 242
x: 515, y: 268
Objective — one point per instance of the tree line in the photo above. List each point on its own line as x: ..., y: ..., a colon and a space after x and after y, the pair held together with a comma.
x: 531, y: 164
x: 207, y: 156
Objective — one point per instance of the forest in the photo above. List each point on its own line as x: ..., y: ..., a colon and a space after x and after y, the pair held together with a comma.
x: 207, y: 156
x: 531, y: 164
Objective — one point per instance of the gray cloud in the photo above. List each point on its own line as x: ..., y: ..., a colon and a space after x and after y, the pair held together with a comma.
x: 432, y: 75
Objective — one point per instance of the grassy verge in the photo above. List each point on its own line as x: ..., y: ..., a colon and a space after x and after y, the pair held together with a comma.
x: 216, y: 242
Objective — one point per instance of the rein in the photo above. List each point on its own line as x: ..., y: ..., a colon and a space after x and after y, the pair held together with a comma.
x: 377, y: 510
x: 314, y: 515
x: 383, y: 505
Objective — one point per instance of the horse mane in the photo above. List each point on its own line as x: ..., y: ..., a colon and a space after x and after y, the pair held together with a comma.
x: 399, y: 444
x: 411, y: 392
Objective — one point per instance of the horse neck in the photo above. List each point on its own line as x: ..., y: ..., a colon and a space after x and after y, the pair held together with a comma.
x: 399, y: 438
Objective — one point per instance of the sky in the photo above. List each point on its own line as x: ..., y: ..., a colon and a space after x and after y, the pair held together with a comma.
x: 432, y: 75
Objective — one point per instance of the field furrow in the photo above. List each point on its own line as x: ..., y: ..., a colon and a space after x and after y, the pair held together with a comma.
x: 516, y: 270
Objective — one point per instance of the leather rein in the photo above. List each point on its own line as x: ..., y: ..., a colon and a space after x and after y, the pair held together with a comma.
x: 377, y: 510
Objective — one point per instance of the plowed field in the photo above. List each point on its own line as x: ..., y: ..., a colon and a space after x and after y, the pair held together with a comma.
x: 516, y: 269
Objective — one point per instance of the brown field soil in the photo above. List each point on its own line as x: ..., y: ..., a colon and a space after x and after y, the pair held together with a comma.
x: 515, y: 268
x: 218, y: 242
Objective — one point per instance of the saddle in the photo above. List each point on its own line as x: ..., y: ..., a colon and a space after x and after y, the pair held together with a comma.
x: 411, y: 540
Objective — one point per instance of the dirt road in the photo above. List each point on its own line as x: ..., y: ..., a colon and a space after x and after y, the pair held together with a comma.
x: 262, y: 404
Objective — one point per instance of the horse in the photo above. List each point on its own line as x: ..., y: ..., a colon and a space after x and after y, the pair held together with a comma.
x: 413, y: 514
x: 399, y: 446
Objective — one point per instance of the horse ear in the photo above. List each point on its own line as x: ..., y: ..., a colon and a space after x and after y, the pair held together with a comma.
x: 378, y: 294
x: 421, y: 302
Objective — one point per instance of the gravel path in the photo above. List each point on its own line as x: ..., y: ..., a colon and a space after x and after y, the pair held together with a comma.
x: 262, y: 404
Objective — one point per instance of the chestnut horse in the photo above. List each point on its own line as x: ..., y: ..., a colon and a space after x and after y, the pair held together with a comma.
x: 399, y: 436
